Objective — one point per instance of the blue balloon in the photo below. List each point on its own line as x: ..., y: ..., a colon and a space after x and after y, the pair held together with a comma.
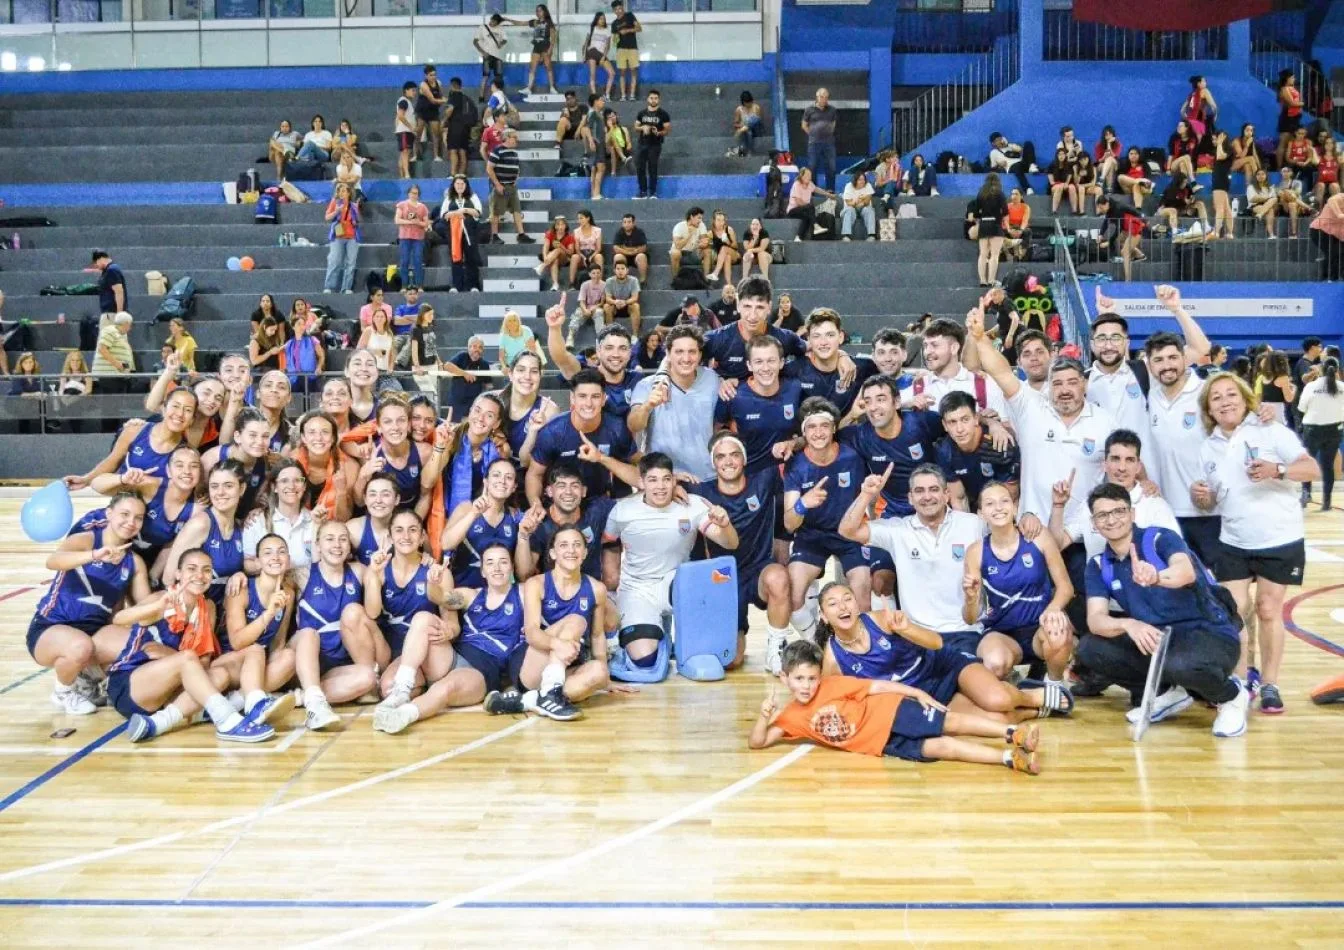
x: 235, y: 263
x: 48, y: 514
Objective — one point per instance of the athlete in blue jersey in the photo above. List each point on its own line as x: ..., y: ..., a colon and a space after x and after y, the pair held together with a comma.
x: 968, y: 456
x: 827, y: 371
x: 888, y: 646
x: 889, y: 436
x: 159, y: 682
x: 248, y: 448
x: 1023, y: 587
x: 888, y: 358
x: 335, y: 643
x: 216, y: 529
x: 525, y: 410
x: 397, y: 587
x: 272, y: 397
x: 261, y: 610
x: 565, y: 660
x: 763, y: 411
x: 169, y: 500
x: 464, y: 657
x: 820, y: 484
x: 72, y: 631
x: 726, y: 347
x: 611, y: 360
x: 486, y: 521
x: 146, y: 446
x: 372, y: 530
x: 597, y: 442
x: 751, y: 503
x: 569, y: 505
x: 396, y: 455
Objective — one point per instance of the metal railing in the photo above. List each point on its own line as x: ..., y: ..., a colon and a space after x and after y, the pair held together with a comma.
x: 118, y: 11
x: 986, y: 76
x: 778, y: 102
x: 1064, y: 38
x: 1068, y: 295
x: 961, y: 26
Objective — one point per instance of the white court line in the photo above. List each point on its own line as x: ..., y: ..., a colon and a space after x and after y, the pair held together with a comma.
x: 554, y: 869
x: 130, y: 748
x: 227, y: 823
x: 1316, y: 557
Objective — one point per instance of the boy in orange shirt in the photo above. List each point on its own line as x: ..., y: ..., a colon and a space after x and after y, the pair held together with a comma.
x: 881, y: 717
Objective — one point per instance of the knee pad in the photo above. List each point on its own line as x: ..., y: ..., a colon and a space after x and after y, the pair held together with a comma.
x: 639, y: 631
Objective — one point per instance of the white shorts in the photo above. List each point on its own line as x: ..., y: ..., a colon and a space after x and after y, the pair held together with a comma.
x: 643, y: 602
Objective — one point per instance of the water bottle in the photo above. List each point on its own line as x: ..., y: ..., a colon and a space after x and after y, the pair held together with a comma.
x: 718, y: 94
x: 14, y: 240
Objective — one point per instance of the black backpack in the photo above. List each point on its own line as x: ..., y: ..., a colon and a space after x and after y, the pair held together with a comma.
x: 690, y: 278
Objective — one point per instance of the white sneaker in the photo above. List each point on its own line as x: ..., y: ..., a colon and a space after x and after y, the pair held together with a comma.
x: 774, y: 653
x: 72, y: 702
x: 393, y: 719
x: 527, y: 91
x: 1165, y: 705
x: 320, y: 715
x: 1231, y: 718
x: 397, y: 696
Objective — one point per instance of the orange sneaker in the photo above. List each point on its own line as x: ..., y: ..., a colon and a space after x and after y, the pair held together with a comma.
x: 1331, y: 691
x: 1025, y: 737
x: 1024, y: 761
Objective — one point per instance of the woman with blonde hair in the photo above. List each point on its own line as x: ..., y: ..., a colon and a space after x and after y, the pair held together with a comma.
x: 516, y: 339
x: 183, y: 344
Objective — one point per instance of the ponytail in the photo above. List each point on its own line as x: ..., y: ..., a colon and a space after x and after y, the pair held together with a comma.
x: 1331, y: 370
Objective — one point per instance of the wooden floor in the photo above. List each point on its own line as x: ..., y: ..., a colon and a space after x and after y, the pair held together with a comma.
x: 650, y: 823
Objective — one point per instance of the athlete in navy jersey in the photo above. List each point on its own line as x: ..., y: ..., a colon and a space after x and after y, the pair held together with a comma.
x: 568, y: 506
x: 489, y: 520
x: 564, y: 437
x: 226, y: 554
x: 823, y: 373
x: 968, y: 458
x: 407, y: 476
x: 373, y: 529
x: 764, y: 409
x: 215, y: 529
x: 727, y: 346
x: 827, y: 384
x: 396, y: 583
x: 145, y: 446
x: 890, y: 436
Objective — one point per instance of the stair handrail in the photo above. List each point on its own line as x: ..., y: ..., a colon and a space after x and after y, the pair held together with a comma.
x: 994, y: 71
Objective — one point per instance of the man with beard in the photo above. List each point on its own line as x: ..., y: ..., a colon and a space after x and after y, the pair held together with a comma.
x: 569, y: 506
x: 1033, y: 357
x: 597, y: 442
x: 725, y: 308
x: 751, y: 501
x: 613, y: 360
x: 726, y: 347
x: 943, y: 343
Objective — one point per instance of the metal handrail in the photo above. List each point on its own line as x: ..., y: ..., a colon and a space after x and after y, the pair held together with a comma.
x: 778, y: 104
x: 1067, y: 317
x: 937, y: 108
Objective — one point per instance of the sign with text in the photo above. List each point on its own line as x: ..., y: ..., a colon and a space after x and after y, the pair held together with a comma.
x: 1205, y: 307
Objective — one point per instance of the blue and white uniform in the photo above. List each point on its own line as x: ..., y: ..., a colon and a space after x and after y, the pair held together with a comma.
x: 827, y: 384
x: 752, y: 513
x: 555, y: 608
x: 819, y: 535
x: 892, y: 657
x: 141, y: 454
x: 761, y: 421
x: 976, y: 469
x: 1018, y: 590
x: 492, y: 637
x: 255, y: 608
x: 481, y: 535
x: 159, y: 529
x: 368, y: 543
x: 407, y: 477
x: 226, y: 556
x: 913, y: 446
x: 320, y: 607
x: 401, y: 602
x: 133, y: 656
x: 85, y: 597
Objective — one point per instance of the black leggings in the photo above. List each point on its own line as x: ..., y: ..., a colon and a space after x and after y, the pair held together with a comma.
x: 807, y: 218
x: 1323, y: 444
x: 1200, y: 661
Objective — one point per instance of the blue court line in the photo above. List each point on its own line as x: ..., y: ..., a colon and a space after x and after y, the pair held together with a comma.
x: 1307, y: 636
x: 879, y: 906
x: 19, y: 682
x: 74, y: 757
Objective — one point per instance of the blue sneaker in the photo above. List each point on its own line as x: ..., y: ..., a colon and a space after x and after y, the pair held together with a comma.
x: 272, y: 708
x: 140, y: 728
x: 1252, y: 680
x: 247, y: 730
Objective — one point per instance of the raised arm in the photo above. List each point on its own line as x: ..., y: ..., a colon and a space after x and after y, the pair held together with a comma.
x: 991, y: 360
x: 1196, y: 343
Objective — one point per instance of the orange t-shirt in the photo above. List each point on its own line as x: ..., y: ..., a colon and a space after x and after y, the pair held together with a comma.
x: 844, y: 714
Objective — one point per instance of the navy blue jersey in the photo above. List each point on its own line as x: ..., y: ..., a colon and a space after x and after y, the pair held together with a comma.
x: 592, y: 522
x: 407, y: 477
x: 141, y: 454
x: 94, y: 518
x: 226, y: 555
x: 497, y: 630
x: 558, y: 439
x: 843, y: 478
x: 401, y: 602
x: 1018, y: 589
x: 481, y: 535
x: 913, y: 446
x: 555, y: 608
x: 368, y: 542
x: 255, y: 608
x: 159, y: 529
x: 515, y: 430
x: 279, y: 439
x: 816, y: 382
x: 321, y: 603
x: 728, y: 350
x: 88, y: 594
x: 134, y: 655
x: 618, y: 394
x: 976, y: 469
x: 752, y: 512
x: 761, y: 421
x: 889, y: 657
x: 253, y: 479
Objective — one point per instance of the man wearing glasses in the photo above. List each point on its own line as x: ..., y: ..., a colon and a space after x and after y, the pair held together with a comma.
x: 1145, y: 581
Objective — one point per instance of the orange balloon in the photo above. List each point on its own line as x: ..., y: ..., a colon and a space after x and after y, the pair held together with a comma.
x: 247, y: 263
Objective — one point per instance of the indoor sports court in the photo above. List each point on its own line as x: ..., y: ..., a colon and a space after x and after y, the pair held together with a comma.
x: 650, y: 823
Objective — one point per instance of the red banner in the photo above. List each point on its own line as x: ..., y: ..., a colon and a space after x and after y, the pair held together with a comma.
x: 1188, y: 15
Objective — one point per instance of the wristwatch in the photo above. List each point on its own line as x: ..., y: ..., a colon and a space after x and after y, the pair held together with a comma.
x: 1281, y: 470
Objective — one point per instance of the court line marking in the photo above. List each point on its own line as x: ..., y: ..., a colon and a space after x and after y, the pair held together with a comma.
x: 1065, y: 906
x: 21, y: 680
x: 270, y: 748
x: 79, y: 754
x: 554, y: 869
x: 225, y: 824
x: 1306, y: 636
x: 18, y: 590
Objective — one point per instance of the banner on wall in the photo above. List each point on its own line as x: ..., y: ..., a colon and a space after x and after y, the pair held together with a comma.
x: 1186, y: 15
x: 1249, y: 307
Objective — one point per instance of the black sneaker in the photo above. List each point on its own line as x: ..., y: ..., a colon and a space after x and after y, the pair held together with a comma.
x: 496, y: 239
x: 1271, y: 703
x: 555, y: 706
x: 526, y: 239
x: 508, y: 702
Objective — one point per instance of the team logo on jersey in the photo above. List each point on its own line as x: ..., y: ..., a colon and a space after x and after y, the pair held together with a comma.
x: 155, y: 514
x: 255, y: 480
x: 857, y: 668
x: 1089, y: 446
x: 419, y: 590
x: 958, y: 552
x: 1188, y: 420
x: 1133, y: 391
x: 1028, y: 560
x: 1210, y: 467
x: 866, y: 552
x: 508, y: 609
x: 1115, y: 585
x: 788, y: 412
x: 684, y: 526
x: 415, y: 470
x: 477, y: 528
x: 350, y: 588
x: 125, y: 573
x: 753, y: 503
x: 550, y: 605
x: 916, y: 452
x: 843, y: 480
x: 991, y: 570
x: 587, y: 534
x: 604, y: 448
x: 914, y: 553
x: 507, y: 530
x: 138, y: 450
x: 987, y: 469
x: 583, y: 603
x: 319, y: 591
x: 214, y: 543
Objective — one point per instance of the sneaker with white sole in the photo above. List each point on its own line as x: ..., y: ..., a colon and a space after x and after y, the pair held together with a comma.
x: 555, y: 706
x: 94, y: 690
x: 774, y: 653
x: 394, y: 719
x: 71, y: 701
x: 1165, y: 705
x: 247, y: 730
x: 140, y: 728
x: 505, y: 702
x: 1231, y: 719
x: 272, y: 708
x: 320, y: 715
x: 397, y: 696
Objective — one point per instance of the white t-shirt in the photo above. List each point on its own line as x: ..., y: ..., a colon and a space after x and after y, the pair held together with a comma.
x: 1051, y: 449
x: 1318, y: 407
x: 490, y: 41
x: 1256, y: 515
x: 600, y: 40
x: 355, y: 171
x: 299, y: 534
x: 854, y: 194
x: 930, y: 565
x: 963, y: 382
x: 320, y: 138
x: 1177, y: 435
x: 1149, y: 512
x: 405, y: 116
x: 1120, y: 394
x: 683, y: 231
x: 654, y: 541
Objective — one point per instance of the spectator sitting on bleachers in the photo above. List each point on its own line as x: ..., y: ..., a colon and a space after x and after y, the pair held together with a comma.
x: 1262, y: 200
x: 1059, y: 175
x: 756, y: 249
x: 1178, y: 199
x: 266, y: 309
x: 1301, y: 157
x: 800, y: 203
x: 267, y: 344
x: 346, y: 141
x: 1327, y: 173
x: 690, y: 313
x: 617, y: 138
x: 376, y: 304
x: 690, y: 237
x: 1106, y: 155
x: 1068, y: 141
x: 1182, y: 150
x: 889, y: 180
x: 725, y: 249
x: 650, y: 353
x: 1291, y: 200
x: 1124, y: 219
x: 1012, y: 159
x: 570, y: 125
x: 1133, y: 180
x: 283, y: 145
x: 1086, y: 180
x: 921, y: 180
x: 299, y: 311
x: 113, y: 359
x: 25, y: 380
x: 787, y: 316
x: 631, y: 243
x: 183, y: 344
x: 557, y: 247
x: 858, y: 202
x: 747, y: 119
x: 622, y: 295
x: 1245, y: 153
x: 725, y: 308
x: 466, y: 384
x: 589, y: 307
x: 317, y: 142
x: 351, y: 174
x: 587, y: 248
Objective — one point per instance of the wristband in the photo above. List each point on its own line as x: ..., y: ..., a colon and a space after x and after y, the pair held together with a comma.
x: 799, y: 508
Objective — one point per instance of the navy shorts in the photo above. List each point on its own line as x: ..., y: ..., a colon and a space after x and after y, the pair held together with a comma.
x: 748, y: 592
x: 332, y: 653
x: 913, y: 724
x: 939, y: 678
x: 1024, y: 637
x: 395, y: 637
x: 494, y: 670
x: 1281, y: 565
x: 41, y: 625
x: 814, y: 549
x: 119, y: 695
x: 879, y: 559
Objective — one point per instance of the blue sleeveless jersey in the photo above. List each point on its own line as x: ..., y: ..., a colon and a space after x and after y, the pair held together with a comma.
x: 407, y: 477
x: 889, y: 657
x: 1017, y: 589
x: 255, y: 608
x: 321, y: 604
x: 402, y: 602
x: 159, y: 529
x: 368, y: 542
x: 496, y: 631
x: 226, y: 554
x: 555, y: 608
x: 88, y: 594
x: 133, y: 654
x: 142, y: 455
x: 481, y: 534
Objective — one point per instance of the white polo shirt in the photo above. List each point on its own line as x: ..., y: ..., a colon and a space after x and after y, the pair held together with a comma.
x: 299, y: 535
x: 962, y: 382
x: 929, y: 565
x: 1052, y: 448
x: 1177, y: 436
x: 1149, y: 512
x: 1256, y: 515
x: 1120, y: 394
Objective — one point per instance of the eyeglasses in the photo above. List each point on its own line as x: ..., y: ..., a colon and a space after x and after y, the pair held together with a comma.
x: 1109, y: 338
x: 1109, y: 516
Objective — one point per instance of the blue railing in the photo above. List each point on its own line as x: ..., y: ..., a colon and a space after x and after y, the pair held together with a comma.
x: 117, y: 11
x: 1064, y: 38
x: 971, y: 27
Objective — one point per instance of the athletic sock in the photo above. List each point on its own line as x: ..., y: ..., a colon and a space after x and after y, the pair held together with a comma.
x: 94, y: 672
x: 782, y: 632
x: 413, y: 711
x: 251, y: 699
x: 222, y: 713
x: 1008, y: 757
x: 236, y: 700
x: 313, y: 695
x: 530, y: 700
x: 802, y: 619
x: 167, y: 719
x: 404, y: 678
x: 551, y: 677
